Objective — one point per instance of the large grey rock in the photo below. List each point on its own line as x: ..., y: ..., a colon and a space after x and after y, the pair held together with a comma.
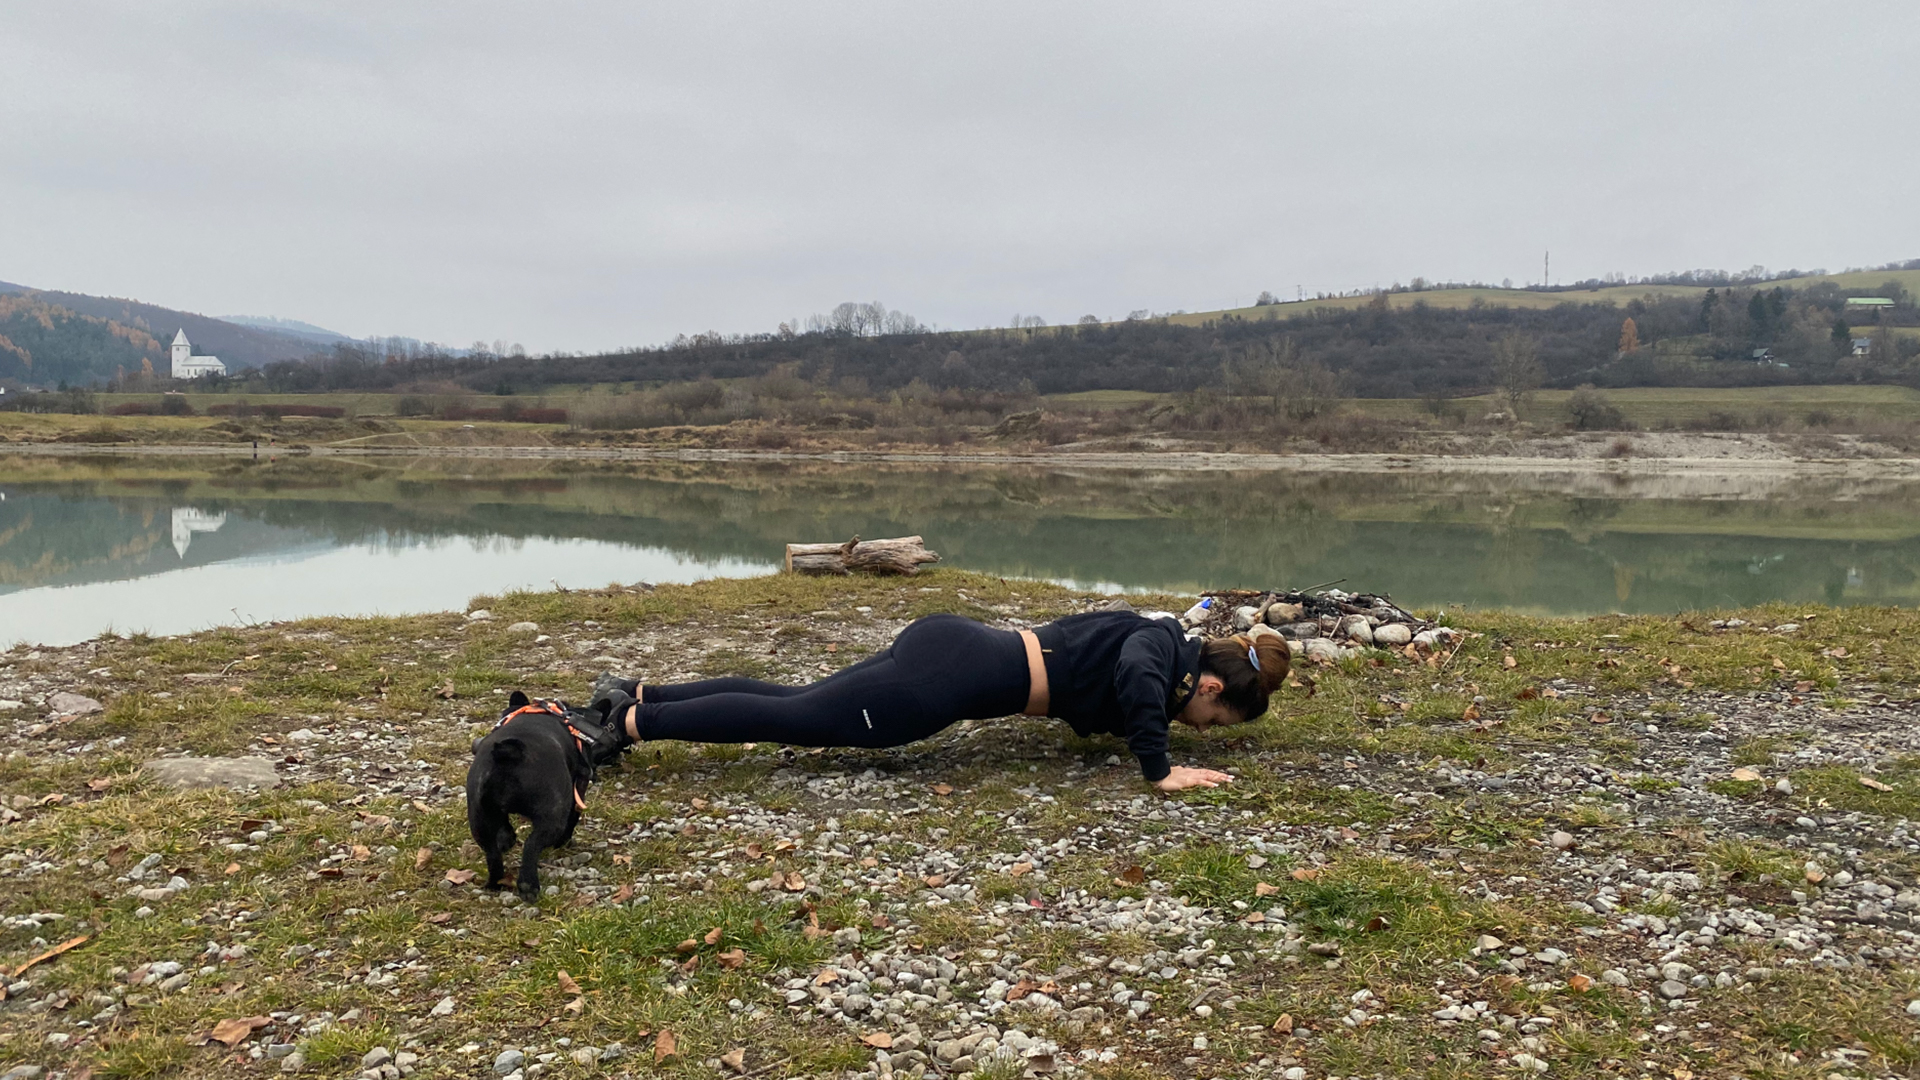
x: 1392, y: 634
x: 23, y: 1072
x: 206, y: 772
x: 65, y: 704
x: 509, y: 1060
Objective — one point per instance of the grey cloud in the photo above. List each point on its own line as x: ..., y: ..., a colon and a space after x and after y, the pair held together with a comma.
x: 587, y: 175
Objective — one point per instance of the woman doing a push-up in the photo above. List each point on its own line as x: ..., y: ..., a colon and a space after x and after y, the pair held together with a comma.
x: 1110, y: 672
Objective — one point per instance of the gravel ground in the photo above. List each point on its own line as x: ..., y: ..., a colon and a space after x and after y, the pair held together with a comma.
x: 1546, y: 852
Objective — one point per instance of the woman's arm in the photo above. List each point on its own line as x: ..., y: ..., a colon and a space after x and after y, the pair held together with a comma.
x: 1142, y: 681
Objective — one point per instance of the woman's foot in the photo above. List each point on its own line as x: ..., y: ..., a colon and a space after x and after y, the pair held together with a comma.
x: 614, y: 706
x: 608, y: 683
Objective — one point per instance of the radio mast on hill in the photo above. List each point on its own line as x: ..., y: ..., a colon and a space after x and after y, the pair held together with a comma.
x: 1546, y: 269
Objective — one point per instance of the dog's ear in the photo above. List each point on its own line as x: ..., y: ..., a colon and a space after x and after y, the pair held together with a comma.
x: 517, y: 700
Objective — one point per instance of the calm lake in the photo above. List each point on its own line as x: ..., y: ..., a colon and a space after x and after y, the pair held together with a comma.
x: 167, y: 546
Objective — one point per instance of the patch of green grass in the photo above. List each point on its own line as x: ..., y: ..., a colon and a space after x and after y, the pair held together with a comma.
x: 1208, y: 874
x: 143, y: 1056
x: 1842, y: 788
x: 342, y: 1044
x: 1381, y: 905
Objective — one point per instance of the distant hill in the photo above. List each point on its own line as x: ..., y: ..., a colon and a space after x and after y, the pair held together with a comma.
x: 293, y: 327
x: 238, y: 346
x: 48, y: 337
x: 1493, y: 296
x: 45, y: 345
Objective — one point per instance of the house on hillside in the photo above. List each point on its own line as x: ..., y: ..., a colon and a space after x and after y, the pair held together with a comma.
x: 1765, y: 358
x: 1862, y: 346
x: 1869, y: 302
x: 188, y: 366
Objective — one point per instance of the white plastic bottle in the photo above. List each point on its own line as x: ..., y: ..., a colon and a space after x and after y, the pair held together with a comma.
x: 1198, y: 611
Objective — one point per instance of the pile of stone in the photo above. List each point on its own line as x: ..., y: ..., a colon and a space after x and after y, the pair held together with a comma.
x: 1325, y: 625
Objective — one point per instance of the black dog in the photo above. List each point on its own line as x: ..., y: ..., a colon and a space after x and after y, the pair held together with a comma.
x: 536, y: 762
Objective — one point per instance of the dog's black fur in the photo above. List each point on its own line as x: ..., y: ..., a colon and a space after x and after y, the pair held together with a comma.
x: 531, y: 767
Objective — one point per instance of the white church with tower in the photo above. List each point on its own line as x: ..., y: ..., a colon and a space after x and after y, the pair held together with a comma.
x: 188, y: 366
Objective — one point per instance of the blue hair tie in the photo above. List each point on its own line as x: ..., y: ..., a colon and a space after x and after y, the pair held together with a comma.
x: 1253, y: 658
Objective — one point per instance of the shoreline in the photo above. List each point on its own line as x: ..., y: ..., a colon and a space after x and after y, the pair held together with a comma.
x: 1162, y: 461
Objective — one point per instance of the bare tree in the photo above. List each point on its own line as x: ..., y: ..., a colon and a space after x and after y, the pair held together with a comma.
x: 1516, y: 367
x: 1274, y: 370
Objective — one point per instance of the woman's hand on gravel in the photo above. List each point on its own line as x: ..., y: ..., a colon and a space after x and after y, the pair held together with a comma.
x: 1180, y: 778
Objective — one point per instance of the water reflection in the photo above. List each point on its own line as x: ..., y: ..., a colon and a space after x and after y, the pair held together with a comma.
x: 188, y: 520
x: 84, y: 544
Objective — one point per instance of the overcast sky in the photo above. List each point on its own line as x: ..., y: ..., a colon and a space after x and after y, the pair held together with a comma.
x: 589, y: 175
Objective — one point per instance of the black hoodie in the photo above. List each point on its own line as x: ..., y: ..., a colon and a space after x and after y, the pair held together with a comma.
x: 1120, y: 673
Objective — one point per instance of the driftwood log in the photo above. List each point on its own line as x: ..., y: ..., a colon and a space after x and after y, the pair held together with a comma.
x: 900, y: 555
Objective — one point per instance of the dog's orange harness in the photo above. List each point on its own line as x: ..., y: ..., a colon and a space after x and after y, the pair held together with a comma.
x: 554, y: 709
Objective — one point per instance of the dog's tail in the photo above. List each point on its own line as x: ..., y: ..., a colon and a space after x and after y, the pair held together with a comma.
x: 509, y: 750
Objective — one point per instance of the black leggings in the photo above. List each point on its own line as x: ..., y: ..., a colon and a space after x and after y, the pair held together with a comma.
x: 940, y: 670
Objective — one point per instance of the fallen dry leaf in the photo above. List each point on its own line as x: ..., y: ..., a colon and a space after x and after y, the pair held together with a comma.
x: 1509, y: 662
x: 827, y: 977
x: 236, y: 1031
x: 934, y: 881
x: 713, y: 936
x: 1746, y: 775
x: 1254, y: 917
x: 440, y: 917
x: 1815, y: 875
x: 1470, y: 713
x: 1580, y: 984
x: 943, y: 789
x: 1304, y: 873
x: 1876, y: 785
x: 735, y: 1059
x: 577, y: 1005
x: 692, y: 963
x: 879, y: 1040
x: 420, y: 806
x: 422, y: 857
x: 687, y: 946
x: 1377, y: 924
x: 698, y: 803
x: 360, y: 852
x: 1528, y: 694
x: 459, y: 877
x: 793, y: 882
x: 664, y: 1046
x: 1284, y: 1024
x: 567, y: 985
x: 1132, y: 875
x: 732, y: 958
x: 621, y: 895
x: 233, y: 868
x: 623, y: 860
x: 100, y: 784
x: 49, y: 800
x: 70, y: 943
x: 1261, y: 888
x: 1019, y: 868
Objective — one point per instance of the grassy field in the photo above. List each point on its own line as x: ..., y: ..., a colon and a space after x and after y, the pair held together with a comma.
x: 1567, y: 789
x: 1825, y: 408
x: 1461, y: 298
x: 1649, y: 407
